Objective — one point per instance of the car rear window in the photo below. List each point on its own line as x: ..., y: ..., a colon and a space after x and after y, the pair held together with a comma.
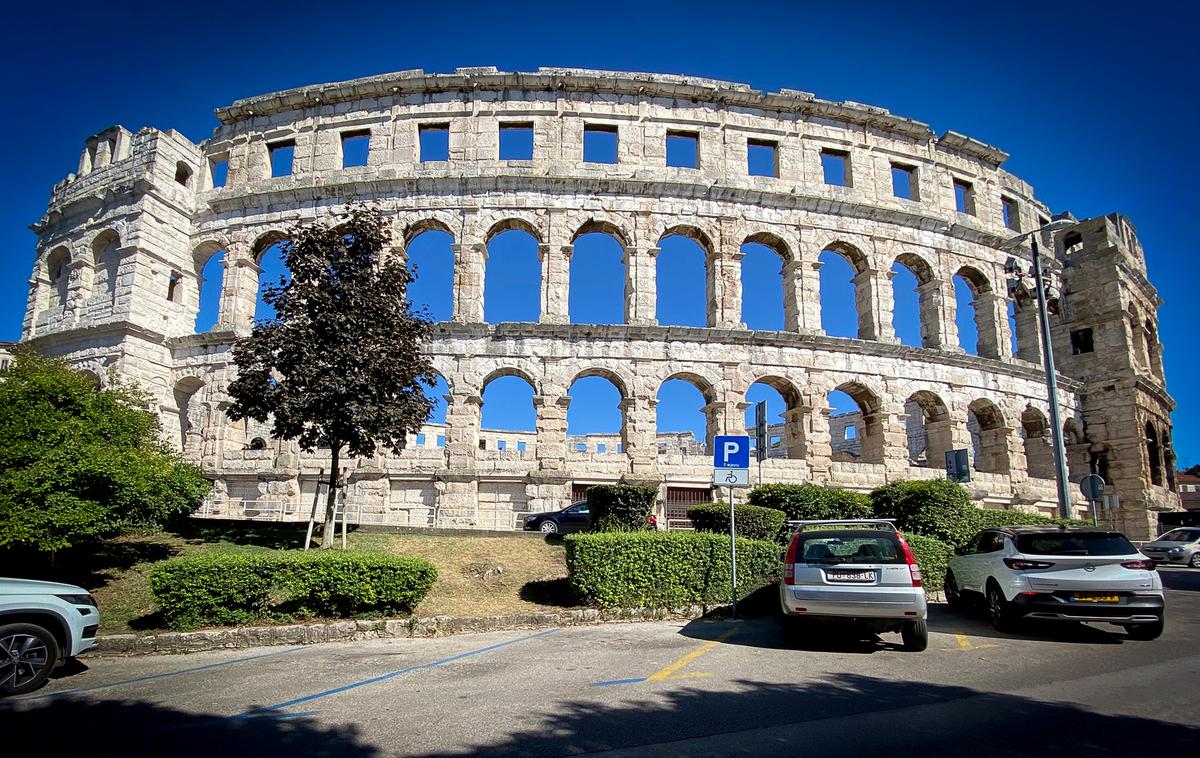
x: 1180, y: 535
x: 1074, y: 543
x: 848, y: 547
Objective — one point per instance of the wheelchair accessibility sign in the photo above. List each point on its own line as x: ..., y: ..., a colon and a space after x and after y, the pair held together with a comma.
x: 731, y: 461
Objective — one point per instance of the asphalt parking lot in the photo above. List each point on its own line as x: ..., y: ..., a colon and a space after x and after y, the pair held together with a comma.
x: 695, y: 688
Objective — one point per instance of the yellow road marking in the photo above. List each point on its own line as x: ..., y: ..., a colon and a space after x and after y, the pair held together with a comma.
x: 965, y: 644
x: 669, y: 671
x: 691, y: 675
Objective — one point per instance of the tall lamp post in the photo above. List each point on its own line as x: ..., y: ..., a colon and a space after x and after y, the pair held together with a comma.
x: 1061, y: 477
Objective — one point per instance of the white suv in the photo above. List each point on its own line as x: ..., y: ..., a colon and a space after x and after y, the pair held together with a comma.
x: 42, y: 624
x: 1058, y: 574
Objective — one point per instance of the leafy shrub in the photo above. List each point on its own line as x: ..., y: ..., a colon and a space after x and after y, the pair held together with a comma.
x: 223, y: 589
x: 751, y: 521
x: 620, y: 507
x: 811, y: 501
x: 932, y: 555
x: 936, y: 508
x: 988, y: 518
x: 665, y: 569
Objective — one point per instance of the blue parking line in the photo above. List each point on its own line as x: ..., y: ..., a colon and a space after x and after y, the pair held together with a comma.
x: 271, y: 710
x: 163, y: 675
x: 611, y: 682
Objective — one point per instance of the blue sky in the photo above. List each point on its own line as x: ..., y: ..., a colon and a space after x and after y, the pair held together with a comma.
x: 1095, y: 101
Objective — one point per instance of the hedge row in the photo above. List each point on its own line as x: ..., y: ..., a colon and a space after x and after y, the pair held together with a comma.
x: 665, y: 569
x: 232, y: 589
x: 620, y: 507
x: 811, y: 501
x: 750, y: 521
x: 932, y: 555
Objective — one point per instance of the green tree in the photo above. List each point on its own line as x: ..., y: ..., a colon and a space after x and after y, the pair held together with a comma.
x: 78, y: 463
x: 341, y: 365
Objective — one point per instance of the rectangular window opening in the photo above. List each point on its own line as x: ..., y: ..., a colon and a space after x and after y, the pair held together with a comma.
x: 601, y: 448
x: 1081, y: 341
x: 851, y: 432
x: 421, y: 440
x: 599, y: 143
x: 282, y: 154
x: 835, y: 164
x: 218, y: 170
x: 762, y: 157
x: 355, y: 147
x: 964, y: 197
x: 683, y: 149
x: 581, y: 447
x: 516, y: 142
x: 904, y: 181
x: 483, y: 444
x: 520, y: 447
x: 501, y: 444
x: 441, y: 440
x: 1010, y: 212
x: 435, y: 142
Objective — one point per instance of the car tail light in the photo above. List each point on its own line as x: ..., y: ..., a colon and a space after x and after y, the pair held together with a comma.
x: 1144, y: 565
x: 1020, y: 564
x: 789, y: 561
x: 913, y: 569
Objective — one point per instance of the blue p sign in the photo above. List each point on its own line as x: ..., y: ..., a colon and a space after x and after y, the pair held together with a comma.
x: 731, y: 451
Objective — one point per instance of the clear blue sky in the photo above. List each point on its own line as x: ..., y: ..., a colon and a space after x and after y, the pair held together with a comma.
x: 1095, y: 101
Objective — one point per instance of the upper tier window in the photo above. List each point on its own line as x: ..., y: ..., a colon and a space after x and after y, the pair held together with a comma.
x: 599, y: 143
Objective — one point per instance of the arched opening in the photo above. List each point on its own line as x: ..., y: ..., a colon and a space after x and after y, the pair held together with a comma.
x: 272, y: 273
x: 928, y: 429
x: 681, y: 271
x: 183, y: 174
x: 855, y: 425
x: 431, y: 260
x: 785, y: 433
x: 973, y: 314
x: 989, y: 437
x: 1039, y: 451
x: 209, y: 264
x: 512, y: 289
x: 1154, y: 455
x: 1152, y: 349
x: 508, y: 420
x: 681, y: 423
x: 190, y: 413
x: 92, y: 377
x: 844, y: 294
x: 258, y: 443
x: 906, y: 305
x: 59, y: 277
x: 597, y: 278
x: 594, y: 415
x: 764, y: 302
x: 107, y: 263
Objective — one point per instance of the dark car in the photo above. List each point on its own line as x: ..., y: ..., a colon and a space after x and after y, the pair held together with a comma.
x: 573, y: 518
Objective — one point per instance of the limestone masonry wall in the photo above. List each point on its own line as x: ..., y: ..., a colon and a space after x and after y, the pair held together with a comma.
x: 117, y: 281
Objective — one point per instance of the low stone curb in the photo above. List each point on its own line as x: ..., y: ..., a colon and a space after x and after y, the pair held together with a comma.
x: 347, y: 631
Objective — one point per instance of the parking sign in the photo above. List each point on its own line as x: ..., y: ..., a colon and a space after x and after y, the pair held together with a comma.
x: 731, y: 451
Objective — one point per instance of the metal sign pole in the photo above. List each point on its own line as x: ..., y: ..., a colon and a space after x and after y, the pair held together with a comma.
x: 733, y: 553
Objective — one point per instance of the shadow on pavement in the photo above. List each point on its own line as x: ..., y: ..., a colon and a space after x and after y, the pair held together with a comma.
x: 130, y: 728
x: 1182, y: 579
x: 844, y: 714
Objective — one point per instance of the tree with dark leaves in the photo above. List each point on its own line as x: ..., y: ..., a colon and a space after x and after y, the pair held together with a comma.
x: 342, y: 364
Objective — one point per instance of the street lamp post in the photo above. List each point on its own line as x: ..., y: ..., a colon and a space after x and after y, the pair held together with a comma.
x: 1061, y: 477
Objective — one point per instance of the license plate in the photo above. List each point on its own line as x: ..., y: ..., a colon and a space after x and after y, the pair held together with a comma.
x: 835, y: 575
x: 1093, y: 597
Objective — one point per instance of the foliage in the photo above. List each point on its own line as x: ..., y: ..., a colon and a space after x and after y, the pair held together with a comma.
x: 935, y: 507
x: 665, y: 569
x: 342, y: 364
x: 988, y: 518
x: 932, y: 555
x: 620, y: 507
x: 78, y: 463
x: 751, y: 521
x: 238, y: 588
x: 811, y: 501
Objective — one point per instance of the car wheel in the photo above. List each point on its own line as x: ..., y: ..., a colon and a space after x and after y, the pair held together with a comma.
x: 999, y: 610
x: 1145, y: 631
x: 548, y: 527
x: 954, y: 598
x: 915, y: 635
x: 28, y: 654
x: 1195, y: 560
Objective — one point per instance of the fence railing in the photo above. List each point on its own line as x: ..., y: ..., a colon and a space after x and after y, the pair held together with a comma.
x: 363, y: 514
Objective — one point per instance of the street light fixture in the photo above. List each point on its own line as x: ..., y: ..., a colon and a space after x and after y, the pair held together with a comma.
x: 1039, y: 287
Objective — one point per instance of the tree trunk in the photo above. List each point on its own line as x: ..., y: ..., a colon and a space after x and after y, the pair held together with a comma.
x: 330, y: 526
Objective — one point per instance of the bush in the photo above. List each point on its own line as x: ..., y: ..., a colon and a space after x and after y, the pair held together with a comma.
x: 988, y: 518
x: 936, y: 508
x: 810, y: 501
x: 752, y: 521
x: 665, y: 569
x: 620, y: 507
x: 932, y: 555
x: 224, y: 589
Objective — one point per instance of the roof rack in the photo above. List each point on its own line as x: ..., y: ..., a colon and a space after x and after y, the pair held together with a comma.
x: 875, y: 522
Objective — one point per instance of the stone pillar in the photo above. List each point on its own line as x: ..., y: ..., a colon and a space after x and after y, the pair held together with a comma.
x: 809, y: 274
x: 725, y: 290
x: 551, y: 431
x: 820, y: 446
x: 932, y: 303
x: 793, y: 296
x: 641, y: 297
x: 462, y: 430
x: 793, y: 433
x: 988, y: 324
x: 873, y: 299
x: 638, y: 435
x: 947, y: 314
x: 996, y: 448
x: 940, y: 438
x: 79, y: 283
x: 1029, y: 335
x: 893, y: 435
x: 556, y: 283
x: 239, y: 290
x: 721, y: 417
x: 470, y: 262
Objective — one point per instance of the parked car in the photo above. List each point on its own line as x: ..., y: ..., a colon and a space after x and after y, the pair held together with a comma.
x: 573, y: 518
x: 42, y: 624
x: 1058, y: 574
x: 1176, y: 546
x: 860, y: 571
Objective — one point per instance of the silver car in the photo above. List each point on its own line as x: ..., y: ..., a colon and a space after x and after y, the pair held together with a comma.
x: 861, y: 571
x: 1180, y: 545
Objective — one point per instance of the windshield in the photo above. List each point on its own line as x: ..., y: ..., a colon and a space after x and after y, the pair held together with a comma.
x: 1180, y: 535
x: 1074, y: 543
x: 848, y: 547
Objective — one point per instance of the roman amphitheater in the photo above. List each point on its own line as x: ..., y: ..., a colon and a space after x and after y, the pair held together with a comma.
x: 118, y: 279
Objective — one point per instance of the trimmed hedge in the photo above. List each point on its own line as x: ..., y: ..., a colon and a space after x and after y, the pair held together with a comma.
x: 239, y: 588
x: 935, y: 507
x: 751, y: 521
x: 987, y: 518
x: 620, y: 507
x: 932, y: 555
x: 665, y: 569
x: 811, y: 501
